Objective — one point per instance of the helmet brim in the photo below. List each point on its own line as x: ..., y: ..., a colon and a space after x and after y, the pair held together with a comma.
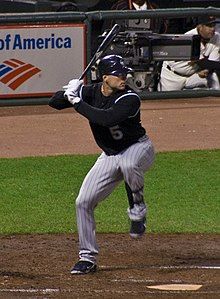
x: 123, y: 71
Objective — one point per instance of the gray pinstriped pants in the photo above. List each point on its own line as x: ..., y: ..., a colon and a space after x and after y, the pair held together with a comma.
x: 108, y: 171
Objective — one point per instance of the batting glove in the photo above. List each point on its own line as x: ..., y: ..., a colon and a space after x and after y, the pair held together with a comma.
x: 71, y: 97
x: 74, y: 85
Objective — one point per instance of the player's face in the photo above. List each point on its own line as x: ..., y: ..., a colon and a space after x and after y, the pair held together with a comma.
x: 207, y: 31
x: 116, y: 82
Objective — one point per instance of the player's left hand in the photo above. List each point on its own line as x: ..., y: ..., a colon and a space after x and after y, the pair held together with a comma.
x: 71, y: 97
x: 72, y: 90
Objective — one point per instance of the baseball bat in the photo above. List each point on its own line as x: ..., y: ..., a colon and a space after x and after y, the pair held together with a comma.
x: 101, y: 49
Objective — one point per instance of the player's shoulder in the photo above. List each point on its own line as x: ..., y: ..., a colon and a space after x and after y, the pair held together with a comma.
x: 127, y: 95
x: 90, y: 90
x: 92, y: 86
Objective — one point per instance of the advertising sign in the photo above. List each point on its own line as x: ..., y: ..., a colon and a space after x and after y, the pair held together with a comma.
x: 37, y: 60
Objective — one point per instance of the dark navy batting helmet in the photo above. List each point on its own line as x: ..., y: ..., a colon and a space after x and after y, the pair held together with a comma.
x: 113, y: 65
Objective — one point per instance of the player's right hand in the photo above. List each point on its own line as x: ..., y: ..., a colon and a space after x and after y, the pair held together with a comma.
x: 73, y: 85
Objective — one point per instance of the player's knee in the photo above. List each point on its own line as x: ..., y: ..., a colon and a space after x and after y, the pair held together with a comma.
x: 129, y: 167
x: 83, y: 203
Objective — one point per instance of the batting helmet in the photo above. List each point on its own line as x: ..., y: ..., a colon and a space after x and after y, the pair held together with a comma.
x: 113, y: 65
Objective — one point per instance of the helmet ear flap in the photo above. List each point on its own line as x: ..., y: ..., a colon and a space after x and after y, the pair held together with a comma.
x: 95, y: 72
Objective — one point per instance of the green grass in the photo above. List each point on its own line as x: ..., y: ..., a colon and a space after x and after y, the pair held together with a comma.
x: 37, y: 194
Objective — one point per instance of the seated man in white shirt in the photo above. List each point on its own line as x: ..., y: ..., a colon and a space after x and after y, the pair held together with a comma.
x: 178, y: 75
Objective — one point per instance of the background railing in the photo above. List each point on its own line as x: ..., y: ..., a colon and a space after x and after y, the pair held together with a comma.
x: 89, y: 18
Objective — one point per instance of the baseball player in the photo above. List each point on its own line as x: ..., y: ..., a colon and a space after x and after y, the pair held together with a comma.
x: 178, y: 75
x: 113, y: 112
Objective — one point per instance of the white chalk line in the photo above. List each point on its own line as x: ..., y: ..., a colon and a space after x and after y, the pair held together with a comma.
x: 134, y: 280
x: 191, y: 267
x: 55, y: 290
x: 164, y: 267
x: 31, y: 290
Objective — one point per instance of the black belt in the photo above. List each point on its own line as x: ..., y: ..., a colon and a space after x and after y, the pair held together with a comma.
x: 169, y: 68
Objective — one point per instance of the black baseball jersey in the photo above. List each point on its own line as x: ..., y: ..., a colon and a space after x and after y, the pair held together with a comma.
x: 114, y: 120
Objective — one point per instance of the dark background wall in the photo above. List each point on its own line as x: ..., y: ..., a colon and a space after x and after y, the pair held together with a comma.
x: 88, y: 5
x: 187, y: 3
x: 175, y: 25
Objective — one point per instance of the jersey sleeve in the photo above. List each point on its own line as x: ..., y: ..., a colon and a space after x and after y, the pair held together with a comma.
x: 58, y: 101
x: 86, y: 93
x: 125, y: 107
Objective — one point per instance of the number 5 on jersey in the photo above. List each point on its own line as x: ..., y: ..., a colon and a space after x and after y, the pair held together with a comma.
x: 116, y: 133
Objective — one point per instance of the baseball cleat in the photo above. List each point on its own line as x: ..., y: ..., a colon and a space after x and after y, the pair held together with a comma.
x: 84, y: 267
x: 137, y: 228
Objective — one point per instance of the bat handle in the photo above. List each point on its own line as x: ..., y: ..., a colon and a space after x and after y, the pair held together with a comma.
x: 82, y: 76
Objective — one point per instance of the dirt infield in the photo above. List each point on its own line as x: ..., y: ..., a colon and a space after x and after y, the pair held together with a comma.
x: 37, y: 266
x: 172, y: 125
